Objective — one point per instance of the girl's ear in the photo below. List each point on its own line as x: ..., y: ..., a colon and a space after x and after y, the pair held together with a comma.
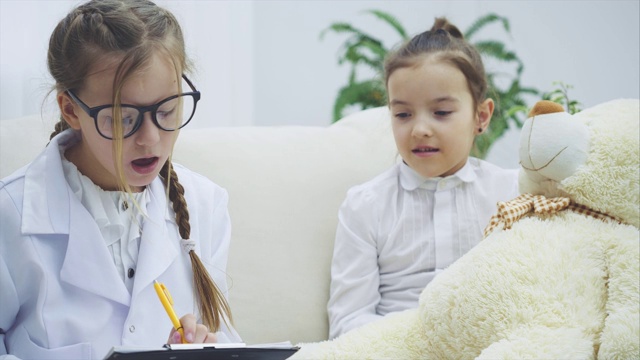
x: 483, y: 116
x: 68, y: 110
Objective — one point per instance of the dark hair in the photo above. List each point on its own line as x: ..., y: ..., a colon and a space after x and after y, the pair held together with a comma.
x: 133, y: 31
x: 444, y: 41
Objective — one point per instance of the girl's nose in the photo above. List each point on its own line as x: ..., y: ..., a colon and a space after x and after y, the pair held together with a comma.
x: 148, y: 134
x: 422, y: 127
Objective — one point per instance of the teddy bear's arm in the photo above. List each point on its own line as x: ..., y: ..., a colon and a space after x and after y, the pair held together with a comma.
x: 396, y: 336
x: 620, y: 338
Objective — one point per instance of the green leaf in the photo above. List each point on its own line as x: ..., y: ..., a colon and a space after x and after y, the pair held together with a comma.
x: 496, y: 50
x: 355, y: 47
x: 341, y: 28
x: 560, y: 95
x: 367, y: 94
x: 391, y: 20
x: 485, y: 20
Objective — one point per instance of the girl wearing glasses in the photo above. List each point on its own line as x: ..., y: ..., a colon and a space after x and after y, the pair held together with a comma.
x: 102, y: 212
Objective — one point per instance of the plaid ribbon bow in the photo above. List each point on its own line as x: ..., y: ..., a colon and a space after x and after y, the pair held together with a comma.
x: 513, y: 210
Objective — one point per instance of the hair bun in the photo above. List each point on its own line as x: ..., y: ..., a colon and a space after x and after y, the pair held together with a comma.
x: 441, y: 24
x: 90, y: 16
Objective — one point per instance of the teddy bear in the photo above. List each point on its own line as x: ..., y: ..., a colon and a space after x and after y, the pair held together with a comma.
x: 557, y: 274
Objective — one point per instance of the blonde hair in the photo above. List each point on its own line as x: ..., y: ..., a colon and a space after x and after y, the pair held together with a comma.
x: 131, y: 31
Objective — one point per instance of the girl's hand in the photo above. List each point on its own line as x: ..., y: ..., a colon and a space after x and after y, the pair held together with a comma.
x: 193, y: 332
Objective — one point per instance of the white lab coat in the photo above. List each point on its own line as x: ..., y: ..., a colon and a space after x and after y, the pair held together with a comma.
x: 60, y: 294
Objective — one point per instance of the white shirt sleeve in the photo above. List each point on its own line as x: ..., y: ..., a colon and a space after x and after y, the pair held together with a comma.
x: 9, y: 301
x: 10, y: 306
x: 9, y: 357
x: 355, y: 277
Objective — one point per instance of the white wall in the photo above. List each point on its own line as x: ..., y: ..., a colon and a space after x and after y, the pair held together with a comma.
x: 218, y: 36
x: 262, y: 62
x: 592, y: 45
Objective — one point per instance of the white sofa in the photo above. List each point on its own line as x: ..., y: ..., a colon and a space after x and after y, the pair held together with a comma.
x: 285, y: 185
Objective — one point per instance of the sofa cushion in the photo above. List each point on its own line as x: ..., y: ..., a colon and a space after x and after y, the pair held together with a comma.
x: 285, y: 187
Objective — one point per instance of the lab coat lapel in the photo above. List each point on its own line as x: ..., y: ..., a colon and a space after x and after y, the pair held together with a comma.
x: 88, y: 263
x: 159, y: 241
x: 50, y: 207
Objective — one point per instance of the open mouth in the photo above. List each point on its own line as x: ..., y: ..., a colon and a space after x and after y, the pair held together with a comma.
x: 144, y: 162
x: 144, y: 165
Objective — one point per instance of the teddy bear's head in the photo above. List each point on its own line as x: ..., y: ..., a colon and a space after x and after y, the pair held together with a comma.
x: 592, y: 157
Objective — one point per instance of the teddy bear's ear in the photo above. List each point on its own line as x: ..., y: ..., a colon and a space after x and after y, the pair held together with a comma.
x: 545, y: 107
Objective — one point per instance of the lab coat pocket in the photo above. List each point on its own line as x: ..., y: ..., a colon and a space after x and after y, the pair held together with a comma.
x: 20, y: 345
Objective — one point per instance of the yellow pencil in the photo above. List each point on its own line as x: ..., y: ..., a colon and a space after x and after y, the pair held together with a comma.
x: 167, y: 302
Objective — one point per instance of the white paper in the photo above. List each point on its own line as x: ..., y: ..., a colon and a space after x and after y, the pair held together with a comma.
x: 205, y: 345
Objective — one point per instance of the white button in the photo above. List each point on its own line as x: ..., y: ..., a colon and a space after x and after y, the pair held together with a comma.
x: 132, y: 329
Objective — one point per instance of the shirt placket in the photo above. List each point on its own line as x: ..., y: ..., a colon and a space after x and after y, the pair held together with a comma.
x: 126, y: 263
x: 443, y: 208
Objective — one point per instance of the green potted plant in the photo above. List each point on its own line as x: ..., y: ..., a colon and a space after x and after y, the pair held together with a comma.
x: 361, y: 49
x: 561, y: 95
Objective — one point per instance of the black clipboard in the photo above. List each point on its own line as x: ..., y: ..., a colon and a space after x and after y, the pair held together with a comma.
x: 207, y: 353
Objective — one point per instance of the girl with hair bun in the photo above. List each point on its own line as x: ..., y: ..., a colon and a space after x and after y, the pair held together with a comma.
x: 102, y: 212
x: 397, y: 231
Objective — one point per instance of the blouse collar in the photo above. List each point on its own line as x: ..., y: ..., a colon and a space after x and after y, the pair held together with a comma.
x: 110, y: 209
x: 411, y: 180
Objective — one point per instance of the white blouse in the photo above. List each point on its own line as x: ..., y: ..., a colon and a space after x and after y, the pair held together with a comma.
x: 398, y: 230
x: 117, y: 216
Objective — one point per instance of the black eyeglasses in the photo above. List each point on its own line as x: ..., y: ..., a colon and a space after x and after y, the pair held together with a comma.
x: 170, y: 114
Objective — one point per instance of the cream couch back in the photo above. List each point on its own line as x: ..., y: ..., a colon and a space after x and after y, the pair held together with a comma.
x: 285, y: 187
